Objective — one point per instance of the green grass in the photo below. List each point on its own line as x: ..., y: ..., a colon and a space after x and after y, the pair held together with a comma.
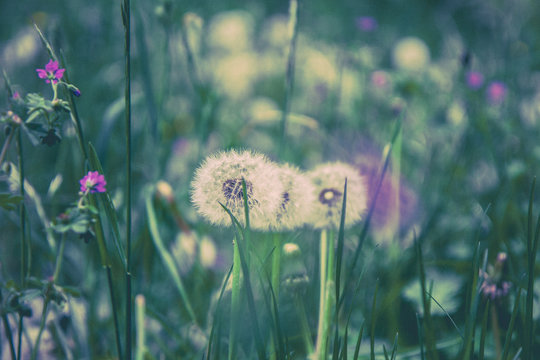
x: 134, y: 272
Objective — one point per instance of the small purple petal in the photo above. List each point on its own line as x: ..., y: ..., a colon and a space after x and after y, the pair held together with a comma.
x: 51, y: 66
x: 59, y: 73
x: 42, y: 74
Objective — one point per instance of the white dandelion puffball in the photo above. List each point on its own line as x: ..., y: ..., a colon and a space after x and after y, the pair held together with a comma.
x: 296, y: 199
x: 411, y: 54
x: 219, y: 180
x: 329, y: 182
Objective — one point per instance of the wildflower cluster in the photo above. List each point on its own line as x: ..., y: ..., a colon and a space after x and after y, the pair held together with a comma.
x: 279, y: 196
x: 81, y: 217
x: 493, y: 287
x: 40, y: 117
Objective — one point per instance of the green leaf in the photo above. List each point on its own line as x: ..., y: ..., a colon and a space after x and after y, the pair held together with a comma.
x: 9, y: 201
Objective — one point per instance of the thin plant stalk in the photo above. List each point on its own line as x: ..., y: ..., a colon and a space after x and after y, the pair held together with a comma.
x: 289, y: 76
x: 235, y: 302
x: 6, y: 146
x: 140, y: 305
x: 306, y: 330
x: 22, y: 210
x: 9, y: 336
x: 323, y: 258
x: 126, y: 17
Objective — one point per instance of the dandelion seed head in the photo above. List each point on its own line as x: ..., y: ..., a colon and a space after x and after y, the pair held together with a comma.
x: 219, y: 180
x: 296, y: 199
x: 329, y: 180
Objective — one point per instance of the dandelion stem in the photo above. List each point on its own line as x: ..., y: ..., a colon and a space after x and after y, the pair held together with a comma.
x: 235, y: 301
x: 322, y: 291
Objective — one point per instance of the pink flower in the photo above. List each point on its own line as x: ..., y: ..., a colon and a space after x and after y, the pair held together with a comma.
x: 93, y: 182
x: 51, y: 72
x: 475, y: 80
x: 496, y: 92
x: 366, y: 23
x: 380, y: 79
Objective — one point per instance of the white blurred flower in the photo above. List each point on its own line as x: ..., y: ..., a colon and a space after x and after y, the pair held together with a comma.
x: 219, y: 180
x: 275, y: 32
x: 296, y: 199
x: 411, y: 53
x: 231, y: 31
x: 234, y: 75
x: 21, y: 49
x: 207, y: 252
x: 184, y: 250
x: 329, y: 181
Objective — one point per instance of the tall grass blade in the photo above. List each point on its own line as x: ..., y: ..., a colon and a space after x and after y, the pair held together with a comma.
x: 126, y: 20
x: 510, y: 330
x: 107, y: 204
x: 472, y: 305
x: 245, y: 271
x: 420, y: 336
x: 483, y: 332
x: 358, y: 342
x: 289, y: 75
x: 371, y: 209
x: 426, y: 304
x: 373, y: 320
x: 217, y: 315
x: 166, y: 257
x: 532, y: 246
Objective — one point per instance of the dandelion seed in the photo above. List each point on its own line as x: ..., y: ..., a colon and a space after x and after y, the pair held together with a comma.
x: 219, y: 180
x: 93, y: 182
x: 51, y: 72
x: 296, y: 199
x: 329, y: 180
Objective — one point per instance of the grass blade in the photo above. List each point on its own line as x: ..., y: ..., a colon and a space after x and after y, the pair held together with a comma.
x: 244, y: 264
x: 108, y: 206
x: 166, y: 257
x: 358, y: 342
x: 510, y: 330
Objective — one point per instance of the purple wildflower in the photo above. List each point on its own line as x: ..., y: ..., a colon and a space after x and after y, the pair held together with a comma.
x: 475, y: 79
x: 93, y: 182
x: 496, y: 92
x: 366, y: 23
x: 51, y: 72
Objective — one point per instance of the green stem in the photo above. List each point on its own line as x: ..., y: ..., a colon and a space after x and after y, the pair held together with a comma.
x: 41, y: 326
x: 322, y: 291
x: 22, y: 214
x: 59, y: 258
x: 114, y: 311
x: 141, y: 336
x: 276, y: 264
x: 9, y: 336
x: 126, y: 15
x: 235, y: 301
x: 289, y: 76
x: 306, y: 330
x: 6, y: 146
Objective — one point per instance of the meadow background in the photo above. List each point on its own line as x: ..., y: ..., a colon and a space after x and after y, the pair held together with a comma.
x: 213, y: 75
